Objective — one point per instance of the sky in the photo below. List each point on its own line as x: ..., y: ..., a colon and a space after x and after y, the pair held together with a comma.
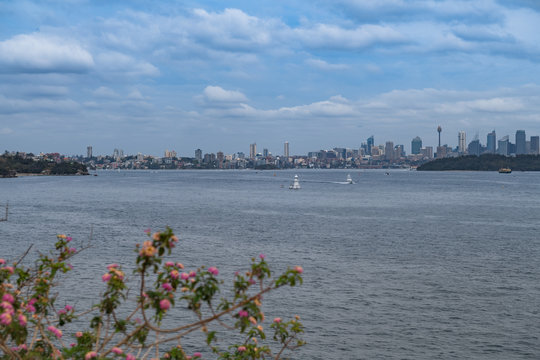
x: 146, y: 76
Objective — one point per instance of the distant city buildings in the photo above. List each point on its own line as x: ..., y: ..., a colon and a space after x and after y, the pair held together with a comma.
x: 252, y: 150
x: 462, y: 141
x: 520, y: 142
x: 286, y: 149
x: 89, y: 152
x: 491, y: 146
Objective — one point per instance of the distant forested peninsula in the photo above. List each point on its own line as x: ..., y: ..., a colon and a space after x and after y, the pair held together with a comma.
x: 13, y: 165
x: 487, y: 162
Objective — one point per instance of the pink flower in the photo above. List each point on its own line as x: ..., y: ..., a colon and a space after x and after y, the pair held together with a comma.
x: 164, y: 304
x: 262, y: 256
x: 69, y: 307
x: 169, y: 263
x: 8, y: 297
x: 243, y: 313
x: 252, y: 282
x: 9, y: 269
x: 61, y: 312
x: 7, y: 306
x: 213, y: 270
x: 298, y: 269
x: 277, y: 320
x: 69, y: 238
x: 55, y: 331
x: 180, y: 266
x: 5, y: 319
x: 156, y: 236
x: 106, y: 277
x: 192, y: 274
x: 72, y: 250
x: 78, y: 334
x: 167, y: 286
x: 174, y: 274
x: 90, y: 355
x: 130, y: 357
x: 2, y: 261
x: 197, y: 354
x: 30, y: 308
x: 184, y: 276
x: 148, y: 231
x: 241, y: 349
x: 117, y: 350
x: 22, y: 320
x: 112, y: 266
x: 72, y: 344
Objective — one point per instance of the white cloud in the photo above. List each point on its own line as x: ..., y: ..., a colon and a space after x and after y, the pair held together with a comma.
x: 40, y: 53
x: 218, y: 94
x: 105, y: 92
x: 323, y: 65
x: 119, y: 63
x: 5, y: 131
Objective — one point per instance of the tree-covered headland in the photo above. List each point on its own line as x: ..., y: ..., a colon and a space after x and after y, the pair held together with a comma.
x: 11, y: 165
x: 487, y: 162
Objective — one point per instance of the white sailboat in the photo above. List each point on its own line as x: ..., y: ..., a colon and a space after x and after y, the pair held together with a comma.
x: 296, y: 184
x: 349, y: 179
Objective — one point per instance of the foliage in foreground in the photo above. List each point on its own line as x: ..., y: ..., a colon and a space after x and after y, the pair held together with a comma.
x: 485, y: 162
x: 31, y: 321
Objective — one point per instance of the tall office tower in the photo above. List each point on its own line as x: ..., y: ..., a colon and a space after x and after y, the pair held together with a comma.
x: 389, y: 150
x: 427, y: 152
x: 252, y: 150
x: 461, y: 142
x: 198, y: 155
x: 491, y: 142
x: 89, y: 152
x: 535, y: 145
x: 439, y: 129
x: 502, y: 148
x: 520, y: 142
x: 416, y: 145
x: 286, y: 149
x: 116, y: 153
x: 370, y: 143
x: 474, y: 147
x: 265, y: 152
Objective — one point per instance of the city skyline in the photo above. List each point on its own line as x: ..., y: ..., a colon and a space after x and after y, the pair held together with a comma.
x: 148, y: 77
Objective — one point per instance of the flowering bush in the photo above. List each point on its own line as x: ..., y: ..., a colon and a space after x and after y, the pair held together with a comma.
x: 31, y: 323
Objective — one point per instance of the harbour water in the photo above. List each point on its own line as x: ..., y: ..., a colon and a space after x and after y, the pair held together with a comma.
x: 409, y: 265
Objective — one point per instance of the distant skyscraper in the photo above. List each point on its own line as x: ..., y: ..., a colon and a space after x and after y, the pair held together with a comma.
x: 286, y: 149
x: 265, y: 152
x: 474, y: 147
x: 491, y: 142
x: 389, y: 150
x: 89, y: 152
x: 198, y: 155
x: 520, y: 142
x: 220, y: 158
x: 370, y: 143
x: 416, y: 145
x: 462, y: 141
x: 252, y: 150
x: 439, y: 129
x: 502, y: 148
x: 535, y: 145
x: 427, y: 152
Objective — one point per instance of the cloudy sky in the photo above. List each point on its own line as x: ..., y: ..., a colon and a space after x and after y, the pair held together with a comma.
x: 146, y: 76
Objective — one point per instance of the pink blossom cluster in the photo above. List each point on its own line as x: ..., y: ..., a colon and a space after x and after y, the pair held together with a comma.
x: 213, y: 270
x: 55, y: 331
x: 243, y: 313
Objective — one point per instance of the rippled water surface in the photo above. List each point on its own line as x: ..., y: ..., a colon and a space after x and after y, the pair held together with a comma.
x: 410, y: 265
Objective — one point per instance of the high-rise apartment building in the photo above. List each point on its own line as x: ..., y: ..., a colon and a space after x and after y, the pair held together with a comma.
x: 535, y: 145
x: 89, y: 152
x: 265, y: 152
x: 520, y: 142
x: 474, y: 147
x: 491, y: 146
x: 252, y: 150
x: 198, y: 155
x: 462, y: 142
x: 286, y: 149
x: 416, y: 145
